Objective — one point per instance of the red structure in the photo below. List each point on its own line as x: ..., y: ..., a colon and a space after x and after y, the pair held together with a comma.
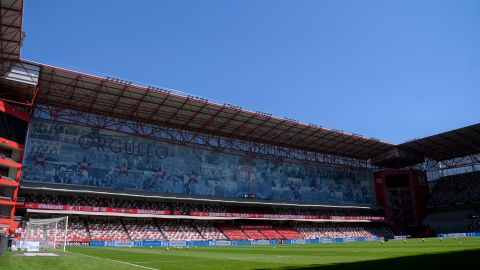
x: 402, y: 194
x: 13, y: 123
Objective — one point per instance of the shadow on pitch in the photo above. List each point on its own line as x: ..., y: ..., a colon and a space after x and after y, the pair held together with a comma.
x: 459, y: 260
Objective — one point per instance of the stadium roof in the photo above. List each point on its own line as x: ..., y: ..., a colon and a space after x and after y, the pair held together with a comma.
x: 117, y: 98
x: 10, y: 29
x: 447, y: 145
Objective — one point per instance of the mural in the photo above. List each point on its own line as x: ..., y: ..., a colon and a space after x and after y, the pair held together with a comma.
x: 63, y: 153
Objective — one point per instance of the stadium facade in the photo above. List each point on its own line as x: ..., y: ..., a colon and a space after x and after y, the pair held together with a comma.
x: 119, y: 156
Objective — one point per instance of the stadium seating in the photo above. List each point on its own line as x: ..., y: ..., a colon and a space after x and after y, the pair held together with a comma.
x: 143, y: 230
x: 173, y: 231
x: 333, y: 230
x: 289, y: 233
x: 233, y: 232
x: 448, y: 220
x: 456, y: 189
x: 77, y: 231
x: 96, y: 201
x: 185, y: 208
x: 107, y: 230
x: 474, y: 225
x: 5, y: 198
x: 210, y: 232
x: 254, y: 234
x: 113, y: 229
x: 7, y: 178
x: 116, y: 229
x: 270, y: 234
x: 38, y: 233
x: 3, y: 156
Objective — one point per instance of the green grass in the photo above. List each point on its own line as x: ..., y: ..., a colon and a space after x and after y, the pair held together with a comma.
x: 415, y: 254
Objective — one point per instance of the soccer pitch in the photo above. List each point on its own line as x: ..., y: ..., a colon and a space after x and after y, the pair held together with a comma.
x: 432, y: 254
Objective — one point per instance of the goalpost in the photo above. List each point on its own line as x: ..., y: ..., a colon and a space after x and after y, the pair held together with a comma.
x: 45, y: 234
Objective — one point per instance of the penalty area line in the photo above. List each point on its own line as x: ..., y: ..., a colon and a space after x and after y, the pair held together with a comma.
x: 111, y: 260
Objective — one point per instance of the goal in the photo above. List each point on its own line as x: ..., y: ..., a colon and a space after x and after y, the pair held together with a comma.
x: 45, y: 234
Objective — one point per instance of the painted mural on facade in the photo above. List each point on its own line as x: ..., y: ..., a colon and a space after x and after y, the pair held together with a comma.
x: 63, y: 153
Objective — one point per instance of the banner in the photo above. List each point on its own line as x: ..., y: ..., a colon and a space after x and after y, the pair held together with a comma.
x: 32, y: 246
x: 182, y: 243
x: 452, y: 234
x: 296, y: 241
x: 255, y: 227
x: 356, y: 218
x: 64, y: 207
x: 71, y: 154
x: 198, y: 243
x: 123, y: 244
x: 149, y: 243
x: 112, y: 243
x: 220, y: 243
x: 277, y: 216
x: 261, y: 242
x: 178, y: 243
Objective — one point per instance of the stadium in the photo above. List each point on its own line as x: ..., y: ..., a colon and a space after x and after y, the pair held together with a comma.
x: 130, y: 176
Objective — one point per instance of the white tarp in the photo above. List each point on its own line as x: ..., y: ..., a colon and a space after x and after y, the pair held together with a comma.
x: 24, y: 73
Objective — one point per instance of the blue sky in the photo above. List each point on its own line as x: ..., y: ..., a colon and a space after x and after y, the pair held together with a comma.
x: 394, y: 70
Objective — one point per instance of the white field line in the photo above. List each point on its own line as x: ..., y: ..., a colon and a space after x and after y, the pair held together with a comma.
x: 122, y: 262
x: 213, y: 259
x: 158, y: 252
x: 176, y: 261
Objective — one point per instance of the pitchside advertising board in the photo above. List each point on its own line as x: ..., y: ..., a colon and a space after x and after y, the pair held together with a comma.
x: 186, y: 243
x: 63, y: 153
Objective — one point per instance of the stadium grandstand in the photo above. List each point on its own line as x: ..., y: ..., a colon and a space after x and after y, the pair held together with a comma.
x: 132, y: 165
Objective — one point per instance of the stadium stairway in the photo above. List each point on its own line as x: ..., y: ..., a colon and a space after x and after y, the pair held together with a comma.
x: 210, y: 232
x: 289, y: 233
x: 107, y: 230
x: 159, y: 229
x: 126, y: 230
x: 85, y: 223
x: 254, y: 234
x: 198, y: 231
x: 270, y: 234
x: 175, y: 231
x: 232, y: 232
x: 235, y: 233
x: 143, y: 230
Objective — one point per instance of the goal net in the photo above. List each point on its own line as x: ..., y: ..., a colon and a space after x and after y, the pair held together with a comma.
x: 45, y: 234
